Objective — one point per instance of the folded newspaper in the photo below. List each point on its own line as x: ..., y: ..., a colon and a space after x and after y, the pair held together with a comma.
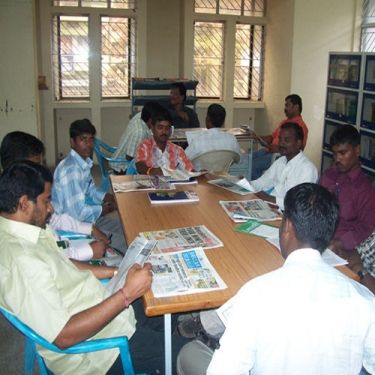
x: 179, y: 175
x: 143, y: 183
x: 184, y: 272
x: 137, y: 253
x: 234, y: 184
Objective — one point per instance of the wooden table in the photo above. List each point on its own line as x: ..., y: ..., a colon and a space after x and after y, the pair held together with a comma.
x: 242, y: 258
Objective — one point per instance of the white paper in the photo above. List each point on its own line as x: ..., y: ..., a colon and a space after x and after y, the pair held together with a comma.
x: 245, y: 184
x: 333, y: 259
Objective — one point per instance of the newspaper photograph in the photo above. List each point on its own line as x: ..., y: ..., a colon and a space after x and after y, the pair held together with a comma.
x: 143, y: 183
x: 256, y: 209
x: 177, y: 239
x: 184, y: 272
x: 230, y: 183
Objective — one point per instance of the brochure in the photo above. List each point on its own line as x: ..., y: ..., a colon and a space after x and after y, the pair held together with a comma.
x: 173, y: 197
x: 257, y: 209
x: 171, y: 240
x: 143, y: 183
x: 137, y: 252
x: 258, y: 229
x: 230, y: 183
x: 183, y: 272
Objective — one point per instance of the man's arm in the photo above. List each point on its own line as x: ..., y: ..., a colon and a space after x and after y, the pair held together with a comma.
x: 87, y: 323
x: 142, y: 168
x: 100, y: 272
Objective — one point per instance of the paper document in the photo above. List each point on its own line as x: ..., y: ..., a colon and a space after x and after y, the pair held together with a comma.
x: 333, y: 259
x: 245, y: 184
x: 180, y: 174
x: 230, y: 183
x: 258, y: 229
x: 143, y: 183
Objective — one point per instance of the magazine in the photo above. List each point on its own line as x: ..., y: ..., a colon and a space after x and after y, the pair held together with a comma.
x: 183, y: 272
x: 258, y: 229
x: 143, y: 183
x: 138, y: 252
x: 256, y: 209
x: 230, y: 183
x: 173, y: 197
x: 171, y: 240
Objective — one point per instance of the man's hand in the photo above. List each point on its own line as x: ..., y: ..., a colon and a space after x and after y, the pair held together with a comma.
x: 98, y: 234
x: 109, y: 198
x: 98, y: 248
x: 138, y: 281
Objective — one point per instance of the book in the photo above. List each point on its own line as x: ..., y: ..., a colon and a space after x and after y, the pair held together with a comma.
x: 144, y: 183
x: 231, y: 183
x: 173, y: 197
x: 177, y: 239
x: 256, y: 209
x: 258, y: 229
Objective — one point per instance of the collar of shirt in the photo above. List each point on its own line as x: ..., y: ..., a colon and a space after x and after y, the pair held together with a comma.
x: 304, y: 255
x: 83, y: 163
x: 15, y: 228
x: 351, y: 176
x: 154, y: 144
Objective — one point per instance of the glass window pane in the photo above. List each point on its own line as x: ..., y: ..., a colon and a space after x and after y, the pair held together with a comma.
x: 254, y: 8
x: 208, y: 58
x: 65, y: 3
x: 70, y: 57
x: 205, y: 6
x: 95, y: 3
x: 368, y: 39
x: 123, y: 4
x: 232, y: 7
x: 118, y: 56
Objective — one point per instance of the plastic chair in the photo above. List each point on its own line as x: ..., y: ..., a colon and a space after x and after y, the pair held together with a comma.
x: 216, y: 161
x: 32, y: 338
x: 131, y: 170
x: 104, y: 154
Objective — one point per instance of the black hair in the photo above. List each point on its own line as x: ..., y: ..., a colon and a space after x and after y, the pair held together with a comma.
x: 80, y: 127
x: 314, y: 213
x: 295, y: 99
x: 149, y: 109
x: 181, y: 88
x: 345, y: 134
x: 298, y: 132
x: 18, y: 145
x: 161, y: 114
x: 216, y: 113
x: 22, y: 178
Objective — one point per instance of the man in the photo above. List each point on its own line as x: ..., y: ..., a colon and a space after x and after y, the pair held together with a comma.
x: 182, y: 116
x: 291, y: 169
x: 212, y: 139
x: 303, y: 318
x: 354, y: 190
x: 137, y: 130
x: 262, y: 158
x: 51, y: 295
x: 17, y: 146
x: 158, y: 151
x: 74, y: 191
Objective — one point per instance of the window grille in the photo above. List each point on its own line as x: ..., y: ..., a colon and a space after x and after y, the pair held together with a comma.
x: 368, y: 26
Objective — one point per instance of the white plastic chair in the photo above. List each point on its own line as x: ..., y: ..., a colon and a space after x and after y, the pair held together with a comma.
x: 216, y: 161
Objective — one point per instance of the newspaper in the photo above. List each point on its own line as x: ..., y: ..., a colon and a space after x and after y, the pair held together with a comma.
x: 143, y: 183
x: 258, y: 229
x: 171, y: 240
x: 231, y: 183
x: 180, y: 174
x: 183, y: 272
x: 137, y: 252
x: 256, y: 209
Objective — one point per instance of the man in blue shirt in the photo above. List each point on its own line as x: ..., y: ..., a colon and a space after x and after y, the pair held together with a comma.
x: 74, y: 191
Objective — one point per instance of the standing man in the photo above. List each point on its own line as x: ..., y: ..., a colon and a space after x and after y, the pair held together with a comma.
x: 353, y: 188
x: 212, y: 139
x: 262, y: 158
x: 158, y: 151
x: 303, y: 318
x: 74, y: 191
x: 182, y: 116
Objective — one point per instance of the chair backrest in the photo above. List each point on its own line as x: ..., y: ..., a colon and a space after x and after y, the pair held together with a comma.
x: 32, y: 338
x: 216, y: 161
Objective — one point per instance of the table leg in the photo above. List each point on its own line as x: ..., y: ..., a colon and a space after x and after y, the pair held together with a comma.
x: 168, y: 344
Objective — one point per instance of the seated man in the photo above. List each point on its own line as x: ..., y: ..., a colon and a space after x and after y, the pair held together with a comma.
x: 137, y: 130
x: 182, y: 116
x: 62, y: 301
x: 303, y: 318
x: 17, y: 146
x: 158, y: 151
x: 291, y: 169
x: 262, y: 158
x: 74, y: 191
x: 212, y: 139
x: 353, y: 188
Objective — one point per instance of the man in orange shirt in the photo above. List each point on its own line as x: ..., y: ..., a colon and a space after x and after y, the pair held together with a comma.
x: 262, y: 158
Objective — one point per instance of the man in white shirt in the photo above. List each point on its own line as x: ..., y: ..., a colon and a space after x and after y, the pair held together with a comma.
x: 291, y: 169
x: 212, y: 139
x: 303, y: 318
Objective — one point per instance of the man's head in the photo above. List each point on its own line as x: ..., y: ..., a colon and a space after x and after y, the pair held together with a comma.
x: 310, y: 218
x: 215, y: 116
x: 345, y: 145
x: 293, y: 105
x: 18, y: 145
x: 178, y: 94
x: 161, y: 126
x: 148, y: 111
x: 82, y: 134
x: 290, y: 140
x: 25, y: 193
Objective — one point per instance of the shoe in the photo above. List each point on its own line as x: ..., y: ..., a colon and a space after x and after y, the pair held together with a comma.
x: 190, y: 327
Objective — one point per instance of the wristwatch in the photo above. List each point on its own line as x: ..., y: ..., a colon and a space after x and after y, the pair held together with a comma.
x: 362, y: 273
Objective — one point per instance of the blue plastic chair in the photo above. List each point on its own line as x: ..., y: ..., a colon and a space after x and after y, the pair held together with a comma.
x: 131, y: 170
x: 32, y: 338
x: 104, y: 154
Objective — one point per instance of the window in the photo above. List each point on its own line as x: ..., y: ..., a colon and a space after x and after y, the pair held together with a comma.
x: 239, y: 29
x: 368, y: 26
x: 76, y: 55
